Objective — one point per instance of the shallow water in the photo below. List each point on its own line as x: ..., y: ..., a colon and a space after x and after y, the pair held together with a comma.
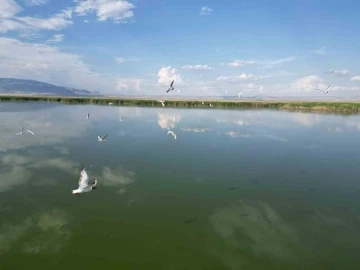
x: 238, y: 189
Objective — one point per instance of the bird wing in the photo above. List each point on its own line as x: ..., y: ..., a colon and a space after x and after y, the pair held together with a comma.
x: 171, y: 85
x: 23, y: 129
x: 318, y: 89
x: 103, y: 138
x: 168, y: 91
x: 329, y: 86
x: 99, y: 137
x: 84, y: 178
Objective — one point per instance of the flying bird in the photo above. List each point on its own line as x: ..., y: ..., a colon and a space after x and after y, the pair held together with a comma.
x: 102, y: 139
x: 120, y: 119
x: 162, y: 103
x: 30, y: 132
x: 171, y: 87
x: 172, y: 133
x: 22, y: 131
x: 88, y: 116
x: 84, y: 184
x: 326, y: 90
x: 240, y: 94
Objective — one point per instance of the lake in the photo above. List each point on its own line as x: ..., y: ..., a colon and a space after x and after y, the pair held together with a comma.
x: 237, y: 189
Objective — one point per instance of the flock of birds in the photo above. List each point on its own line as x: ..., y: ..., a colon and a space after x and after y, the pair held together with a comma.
x: 84, y: 184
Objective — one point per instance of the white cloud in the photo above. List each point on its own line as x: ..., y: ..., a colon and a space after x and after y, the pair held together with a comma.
x: 224, y: 78
x: 86, y: 21
x: 276, y: 62
x: 196, y: 130
x: 119, y: 60
x: 56, y: 38
x: 320, y: 51
x: 56, y: 22
x: 339, y: 73
x: 116, y: 10
x: 242, y: 77
x: 241, y: 63
x: 255, y: 87
x: 36, y: 2
x: 355, y: 78
x: 8, y: 9
x: 10, y: 22
x: 168, y: 121
x: 309, y: 83
x: 128, y: 85
x: 197, y: 67
x: 46, y: 63
x: 167, y: 74
x: 235, y: 134
x: 205, y: 10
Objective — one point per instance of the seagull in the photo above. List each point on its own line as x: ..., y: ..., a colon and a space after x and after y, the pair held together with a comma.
x: 326, y: 90
x: 110, y: 103
x: 171, y: 87
x: 240, y: 95
x: 103, y: 139
x: 84, y: 185
x: 172, y: 133
x: 22, y: 131
x: 162, y: 103
x: 120, y: 119
x: 30, y: 132
x: 210, y: 105
x: 88, y: 116
x: 202, y: 103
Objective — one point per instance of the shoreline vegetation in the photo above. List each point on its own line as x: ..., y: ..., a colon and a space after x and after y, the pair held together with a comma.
x: 318, y: 106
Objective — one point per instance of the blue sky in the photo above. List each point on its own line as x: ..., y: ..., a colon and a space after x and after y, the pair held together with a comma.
x: 137, y: 47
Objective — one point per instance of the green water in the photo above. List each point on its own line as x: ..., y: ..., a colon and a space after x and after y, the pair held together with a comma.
x: 238, y: 189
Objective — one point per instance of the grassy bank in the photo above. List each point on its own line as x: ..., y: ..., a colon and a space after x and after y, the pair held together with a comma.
x: 342, y: 107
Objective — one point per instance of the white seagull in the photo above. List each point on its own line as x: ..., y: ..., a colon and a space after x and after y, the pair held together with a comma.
x: 240, y: 94
x: 22, y: 131
x: 84, y: 184
x: 326, y: 90
x: 172, y: 133
x: 120, y: 119
x: 30, y: 132
x: 102, y: 139
x: 162, y: 103
x: 110, y: 103
x: 88, y: 116
x: 171, y: 87
x: 210, y: 105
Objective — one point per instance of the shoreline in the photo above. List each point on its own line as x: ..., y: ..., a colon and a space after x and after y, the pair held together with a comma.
x: 290, y: 105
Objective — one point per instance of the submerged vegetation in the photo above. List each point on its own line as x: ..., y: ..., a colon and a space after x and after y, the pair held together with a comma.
x: 344, y: 107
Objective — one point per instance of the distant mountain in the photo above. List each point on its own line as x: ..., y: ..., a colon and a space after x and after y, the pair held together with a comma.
x: 18, y: 86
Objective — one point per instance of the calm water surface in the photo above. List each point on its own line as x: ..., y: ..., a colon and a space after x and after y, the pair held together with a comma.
x: 238, y: 189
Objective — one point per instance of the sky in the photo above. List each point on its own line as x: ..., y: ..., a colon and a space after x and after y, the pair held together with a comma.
x: 210, y: 47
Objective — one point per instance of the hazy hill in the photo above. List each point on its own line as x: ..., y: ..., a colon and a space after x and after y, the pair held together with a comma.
x: 18, y: 86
